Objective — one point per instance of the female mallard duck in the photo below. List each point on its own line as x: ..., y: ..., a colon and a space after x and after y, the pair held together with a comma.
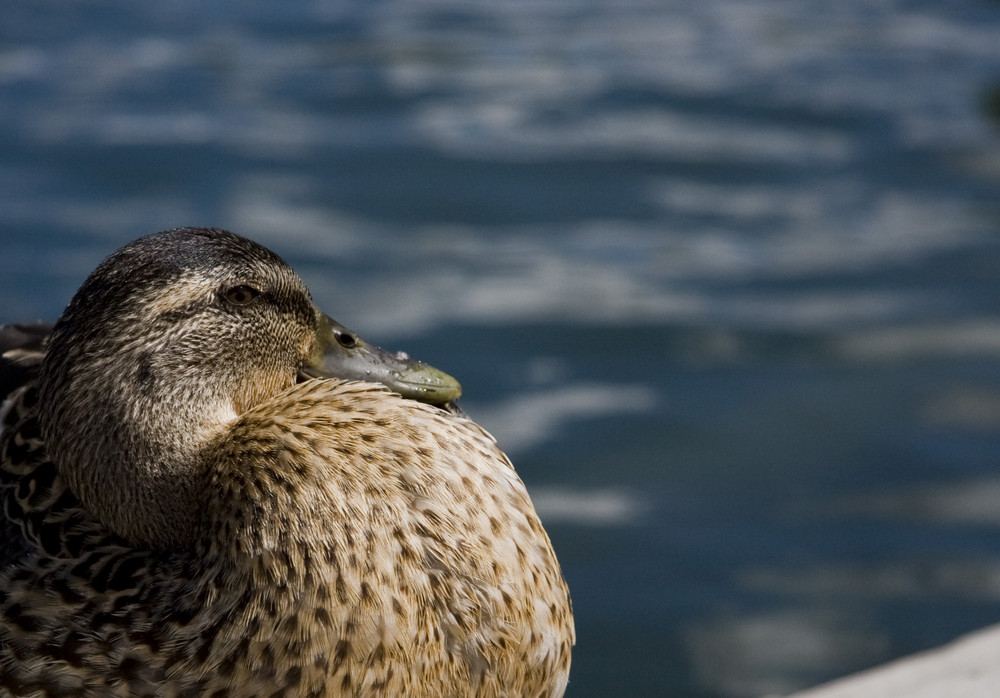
x: 205, y: 509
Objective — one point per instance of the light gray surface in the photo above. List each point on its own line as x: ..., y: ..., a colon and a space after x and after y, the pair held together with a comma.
x: 969, y: 667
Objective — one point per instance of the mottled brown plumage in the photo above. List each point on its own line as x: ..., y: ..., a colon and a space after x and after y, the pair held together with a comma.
x: 199, y: 516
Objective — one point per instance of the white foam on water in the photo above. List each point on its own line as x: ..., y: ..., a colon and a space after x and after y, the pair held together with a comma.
x: 528, y: 419
x: 587, y: 507
x: 961, y: 338
x: 772, y: 654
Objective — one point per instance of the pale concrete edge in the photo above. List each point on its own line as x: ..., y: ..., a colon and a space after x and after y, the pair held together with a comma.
x: 968, y: 667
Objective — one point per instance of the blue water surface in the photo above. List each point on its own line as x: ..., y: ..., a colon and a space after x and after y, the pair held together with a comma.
x: 722, y: 277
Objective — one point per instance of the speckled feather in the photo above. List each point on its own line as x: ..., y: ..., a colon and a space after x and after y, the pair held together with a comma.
x: 338, y: 540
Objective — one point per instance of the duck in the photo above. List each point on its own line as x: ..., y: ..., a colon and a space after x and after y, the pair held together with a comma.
x: 216, y: 489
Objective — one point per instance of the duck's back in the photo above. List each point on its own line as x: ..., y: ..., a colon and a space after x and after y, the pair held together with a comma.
x: 21, y: 352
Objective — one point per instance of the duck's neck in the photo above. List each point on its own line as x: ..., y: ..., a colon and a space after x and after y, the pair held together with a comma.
x: 130, y: 447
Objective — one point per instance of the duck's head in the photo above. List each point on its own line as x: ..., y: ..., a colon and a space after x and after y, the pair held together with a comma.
x: 167, y: 342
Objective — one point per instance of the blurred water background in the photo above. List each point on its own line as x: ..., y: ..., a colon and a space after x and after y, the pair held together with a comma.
x: 723, y: 277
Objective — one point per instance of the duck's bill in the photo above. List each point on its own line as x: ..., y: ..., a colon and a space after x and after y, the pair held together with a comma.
x: 343, y: 354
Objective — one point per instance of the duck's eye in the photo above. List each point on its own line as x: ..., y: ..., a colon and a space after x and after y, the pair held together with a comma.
x: 346, y: 339
x: 241, y: 295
